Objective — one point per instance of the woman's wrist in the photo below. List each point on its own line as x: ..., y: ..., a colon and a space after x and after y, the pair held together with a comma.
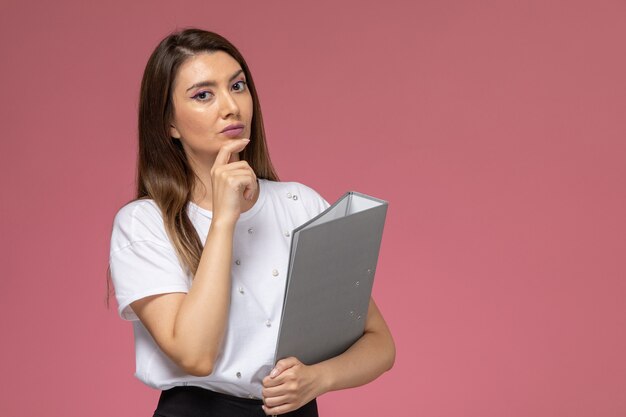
x: 324, y: 378
x: 220, y: 223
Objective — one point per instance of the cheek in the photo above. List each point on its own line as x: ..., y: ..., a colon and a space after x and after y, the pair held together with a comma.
x: 248, y: 106
x: 197, y: 122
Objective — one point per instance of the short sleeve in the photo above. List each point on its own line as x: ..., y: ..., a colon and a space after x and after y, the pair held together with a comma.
x: 313, y: 202
x: 142, y: 260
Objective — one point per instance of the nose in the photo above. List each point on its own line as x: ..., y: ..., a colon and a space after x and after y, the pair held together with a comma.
x: 228, y: 106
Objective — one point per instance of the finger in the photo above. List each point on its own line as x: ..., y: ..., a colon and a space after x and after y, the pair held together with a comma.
x: 281, y: 409
x: 276, y: 401
x: 236, y: 165
x: 226, y: 173
x: 250, y: 189
x: 274, y: 390
x: 245, y: 182
x: 223, y: 170
x: 240, y: 168
x: 282, y: 365
x: 269, y: 382
x: 227, y: 149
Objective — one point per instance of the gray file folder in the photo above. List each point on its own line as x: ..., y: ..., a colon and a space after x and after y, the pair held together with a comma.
x: 329, y: 281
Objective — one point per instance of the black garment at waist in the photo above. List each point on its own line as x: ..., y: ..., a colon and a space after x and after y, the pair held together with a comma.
x: 190, y: 401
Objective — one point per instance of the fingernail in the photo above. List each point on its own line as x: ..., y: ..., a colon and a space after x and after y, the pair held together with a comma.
x: 274, y: 372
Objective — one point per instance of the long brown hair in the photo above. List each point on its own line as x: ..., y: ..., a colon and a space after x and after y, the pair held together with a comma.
x: 163, y: 172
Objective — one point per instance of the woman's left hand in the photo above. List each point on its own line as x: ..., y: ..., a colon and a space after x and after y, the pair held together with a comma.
x: 289, y: 386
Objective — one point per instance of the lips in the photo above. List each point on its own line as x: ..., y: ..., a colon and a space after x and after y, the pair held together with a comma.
x: 232, y: 127
x: 233, y: 133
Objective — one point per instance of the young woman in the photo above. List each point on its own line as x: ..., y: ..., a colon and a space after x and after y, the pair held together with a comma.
x: 198, y: 260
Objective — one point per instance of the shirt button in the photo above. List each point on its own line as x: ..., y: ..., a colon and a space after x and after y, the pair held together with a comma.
x: 240, y: 290
x: 288, y: 195
x: 250, y: 230
x: 287, y: 234
x: 295, y: 197
x: 268, y: 323
x: 250, y: 396
x: 238, y: 374
x: 238, y: 262
x: 275, y: 272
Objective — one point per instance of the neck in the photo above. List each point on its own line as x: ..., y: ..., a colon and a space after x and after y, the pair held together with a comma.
x: 202, y: 193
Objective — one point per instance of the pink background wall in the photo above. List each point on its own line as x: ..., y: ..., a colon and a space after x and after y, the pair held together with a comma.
x: 496, y: 130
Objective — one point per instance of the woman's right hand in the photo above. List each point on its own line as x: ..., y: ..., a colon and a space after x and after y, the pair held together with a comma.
x: 232, y: 182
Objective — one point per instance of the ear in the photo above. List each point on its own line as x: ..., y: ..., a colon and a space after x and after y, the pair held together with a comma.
x: 174, y: 132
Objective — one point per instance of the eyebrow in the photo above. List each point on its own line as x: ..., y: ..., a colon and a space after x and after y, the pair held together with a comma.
x: 213, y: 83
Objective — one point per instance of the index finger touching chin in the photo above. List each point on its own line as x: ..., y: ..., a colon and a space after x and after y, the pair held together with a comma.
x: 224, y: 155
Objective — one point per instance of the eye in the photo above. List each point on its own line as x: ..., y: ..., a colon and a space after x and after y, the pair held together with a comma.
x: 242, y: 85
x: 202, y: 96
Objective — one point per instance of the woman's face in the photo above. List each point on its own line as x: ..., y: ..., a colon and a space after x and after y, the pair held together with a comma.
x: 209, y: 94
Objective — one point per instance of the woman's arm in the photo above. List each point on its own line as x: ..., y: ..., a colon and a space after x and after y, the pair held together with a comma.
x: 292, y: 384
x: 189, y: 328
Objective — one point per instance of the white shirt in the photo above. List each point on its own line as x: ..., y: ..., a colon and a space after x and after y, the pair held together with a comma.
x: 143, y: 262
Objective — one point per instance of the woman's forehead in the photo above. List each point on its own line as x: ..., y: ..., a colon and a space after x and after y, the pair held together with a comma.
x: 217, y: 67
